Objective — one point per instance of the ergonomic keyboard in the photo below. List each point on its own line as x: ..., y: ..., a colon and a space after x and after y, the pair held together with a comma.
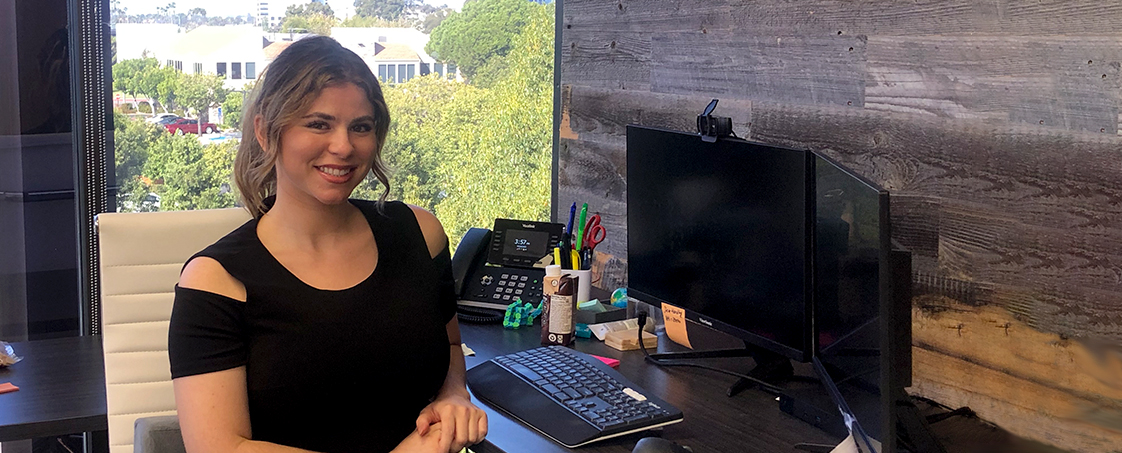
x: 568, y: 396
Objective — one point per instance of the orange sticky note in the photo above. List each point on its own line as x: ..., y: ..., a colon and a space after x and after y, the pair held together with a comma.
x: 674, y: 319
x: 7, y: 387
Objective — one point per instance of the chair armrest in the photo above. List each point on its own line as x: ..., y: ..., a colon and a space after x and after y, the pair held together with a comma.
x: 158, y: 435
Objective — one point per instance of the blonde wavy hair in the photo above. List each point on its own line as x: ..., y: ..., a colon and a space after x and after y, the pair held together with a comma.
x: 285, y: 90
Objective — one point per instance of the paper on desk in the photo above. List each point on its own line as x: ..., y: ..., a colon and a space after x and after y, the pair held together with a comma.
x: 674, y: 319
x: 849, y: 445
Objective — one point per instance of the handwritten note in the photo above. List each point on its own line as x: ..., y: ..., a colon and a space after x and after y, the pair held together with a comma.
x: 674, y: 319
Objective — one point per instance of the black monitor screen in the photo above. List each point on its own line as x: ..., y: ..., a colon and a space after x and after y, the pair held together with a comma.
x: 720, y: 229
x: 851, y: 256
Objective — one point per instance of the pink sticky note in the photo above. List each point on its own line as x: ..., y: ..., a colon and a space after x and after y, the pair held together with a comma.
x: 7, y: 387
x: 611, y: 362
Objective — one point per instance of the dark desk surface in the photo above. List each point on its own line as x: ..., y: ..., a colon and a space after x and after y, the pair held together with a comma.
x: 61, y: 389
x: 748, y: 422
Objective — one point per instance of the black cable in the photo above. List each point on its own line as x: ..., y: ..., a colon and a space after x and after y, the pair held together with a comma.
x: 475, y: 315
x: 669, y: 363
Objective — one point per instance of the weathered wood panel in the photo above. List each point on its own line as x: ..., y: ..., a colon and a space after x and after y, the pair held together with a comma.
x: 801, y: 70
x: 868, y: 17
x: 993, y: 123
x: 619, y: 59
x: 1043, y: 386
x: 1045, y: 221
x: 1071, y: 83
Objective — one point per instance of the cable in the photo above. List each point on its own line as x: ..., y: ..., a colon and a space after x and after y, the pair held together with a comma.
x: 669, y: 363
x: 475, y: 315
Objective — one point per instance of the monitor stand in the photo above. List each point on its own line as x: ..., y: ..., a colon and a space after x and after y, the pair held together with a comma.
x: 770, y: 367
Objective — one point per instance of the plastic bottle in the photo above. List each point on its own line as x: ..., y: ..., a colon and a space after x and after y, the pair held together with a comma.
x: 557, y: 320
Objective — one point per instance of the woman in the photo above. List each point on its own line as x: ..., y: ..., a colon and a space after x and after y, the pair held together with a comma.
x: 323, y: 324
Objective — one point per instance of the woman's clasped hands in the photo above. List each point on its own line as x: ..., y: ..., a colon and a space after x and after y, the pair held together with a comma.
x: 458, y: 422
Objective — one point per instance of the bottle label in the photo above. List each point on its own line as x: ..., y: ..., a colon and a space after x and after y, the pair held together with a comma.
x: 559, y: 327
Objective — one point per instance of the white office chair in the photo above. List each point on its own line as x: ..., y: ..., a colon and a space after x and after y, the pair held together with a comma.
x: 141, y: 256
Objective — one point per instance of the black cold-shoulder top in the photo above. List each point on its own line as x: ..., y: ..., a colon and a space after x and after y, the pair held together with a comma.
x: 332, y: 371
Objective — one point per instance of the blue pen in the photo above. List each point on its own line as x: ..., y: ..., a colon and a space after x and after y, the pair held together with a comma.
x: 572, y: 213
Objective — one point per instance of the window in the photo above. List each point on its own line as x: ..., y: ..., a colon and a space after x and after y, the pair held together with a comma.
x: 198, y: 68
x: 390, y: 73
x: 451, y: 71
x: 439, y: 69
x: 221, y: 70
x: 250, y: 70
x: 410, y: 73
x: 402, y: 74
x: 236, y: 70
x: 382, y: 73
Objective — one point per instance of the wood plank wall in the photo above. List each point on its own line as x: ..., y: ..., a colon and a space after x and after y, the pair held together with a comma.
x: 995, y: 125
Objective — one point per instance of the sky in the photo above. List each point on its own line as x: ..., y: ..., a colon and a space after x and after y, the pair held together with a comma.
x: 342, y: 8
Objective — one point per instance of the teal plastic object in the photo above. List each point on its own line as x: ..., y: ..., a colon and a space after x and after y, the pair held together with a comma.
x: 619, y: 298
x: 583, y: 331
x: 520, y: 314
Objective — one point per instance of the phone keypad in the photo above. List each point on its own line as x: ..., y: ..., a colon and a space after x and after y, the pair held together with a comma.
x: 504, y: 285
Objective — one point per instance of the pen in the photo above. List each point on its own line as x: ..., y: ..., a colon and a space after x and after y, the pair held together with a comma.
x: 580, y: 226
x: 586, y: 258
x: 557, y: 256
x: 572, y: 213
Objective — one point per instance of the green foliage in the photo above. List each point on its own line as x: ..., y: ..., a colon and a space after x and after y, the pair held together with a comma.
x: 131, y: 139
x: 472, y: 154
x: 309, y: 9
x: 503, y: 164
x: 434, y: 19
x: 144, y: 77
x: 199, y: 91
x: 482, y: 32
x: 317, y: 23
x: 188, y: 175
x: 371, y: 21
x: 232, y: 110
x: 385, y: 9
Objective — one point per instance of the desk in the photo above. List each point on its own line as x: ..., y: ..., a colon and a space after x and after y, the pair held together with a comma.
x: 748, y: 422
x: 62, y: 389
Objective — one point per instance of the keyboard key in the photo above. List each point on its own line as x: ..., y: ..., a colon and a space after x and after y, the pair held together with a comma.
x: 526, y: 372
x: 551, y: 388
x: 572, y: 393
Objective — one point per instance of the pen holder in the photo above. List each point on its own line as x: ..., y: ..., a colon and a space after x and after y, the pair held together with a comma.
x: 584, y: 283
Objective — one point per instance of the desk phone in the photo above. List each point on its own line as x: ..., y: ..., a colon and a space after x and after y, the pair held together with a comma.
x: 494, y: 267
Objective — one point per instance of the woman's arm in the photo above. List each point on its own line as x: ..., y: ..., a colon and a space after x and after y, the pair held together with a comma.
x: 464, y: 423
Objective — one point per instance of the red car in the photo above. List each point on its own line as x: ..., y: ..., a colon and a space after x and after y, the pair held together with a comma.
x: 179, y: 126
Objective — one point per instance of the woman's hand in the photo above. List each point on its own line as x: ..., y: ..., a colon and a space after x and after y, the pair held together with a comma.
x: 427, y: 442
x: 462, y: 423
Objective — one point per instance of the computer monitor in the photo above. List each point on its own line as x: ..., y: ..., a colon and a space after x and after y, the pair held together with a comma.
x: 722, y: 230
x: 862, y: 306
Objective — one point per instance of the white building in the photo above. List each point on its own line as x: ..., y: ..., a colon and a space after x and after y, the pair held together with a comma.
x: 138, y: 40
x: 393, y: 54
x: 235, y: 52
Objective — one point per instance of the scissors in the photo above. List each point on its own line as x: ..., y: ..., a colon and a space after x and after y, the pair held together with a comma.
x: 593, y: 232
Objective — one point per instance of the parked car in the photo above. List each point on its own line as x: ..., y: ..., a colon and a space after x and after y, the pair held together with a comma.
x: 162, y: 118
x: 181, y: 126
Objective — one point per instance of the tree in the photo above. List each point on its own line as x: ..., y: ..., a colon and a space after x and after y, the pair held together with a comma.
x: 232, y: 110
x: 480, y: 34
x: 434, y: 19
x: 385, y: 9
x: 188, y: 175
x: 200, y: 91
x: 369, y: 21
x: 145, y: 77
x: 317, y: 23
x: 308, y: 9
x: 502, y: 165
x: 131, y: 139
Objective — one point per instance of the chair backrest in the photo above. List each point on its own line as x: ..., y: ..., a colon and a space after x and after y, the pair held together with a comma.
x: 141, y: 256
